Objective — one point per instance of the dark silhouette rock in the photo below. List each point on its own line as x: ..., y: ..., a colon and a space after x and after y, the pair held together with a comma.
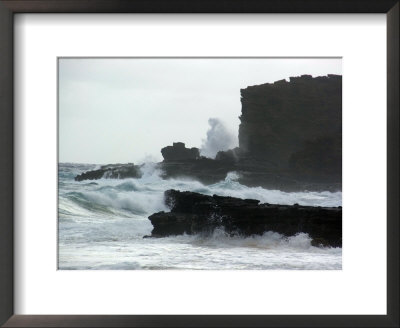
x: 229, y: 156
x: 111, y: 171
x: 287, y: 124
x: 179, y: 152
x: 194, y: 213
x: 203, y: 169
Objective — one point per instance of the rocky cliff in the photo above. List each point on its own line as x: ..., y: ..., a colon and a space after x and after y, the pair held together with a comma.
x: 294, y: 126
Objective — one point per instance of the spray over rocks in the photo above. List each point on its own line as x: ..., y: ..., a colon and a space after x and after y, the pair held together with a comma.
x: 219, y: 138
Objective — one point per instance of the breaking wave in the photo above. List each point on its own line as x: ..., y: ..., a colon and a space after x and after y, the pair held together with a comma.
x: 145, y: 195
x: 94, y: 215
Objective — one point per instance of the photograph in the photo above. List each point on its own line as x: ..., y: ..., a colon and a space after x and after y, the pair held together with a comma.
x: 199, y: 163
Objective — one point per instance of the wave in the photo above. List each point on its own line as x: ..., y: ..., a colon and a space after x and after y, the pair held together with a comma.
x: 231, y: 187
x: 102, y: 224
x: 133, y: 229
x: 145, y: 196
x: 270, y: 240
x: 216, y: 251
x: 111, y: 202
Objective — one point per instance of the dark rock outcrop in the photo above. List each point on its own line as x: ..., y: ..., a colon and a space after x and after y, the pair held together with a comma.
x: 179, y: 152
x: 295, y: 126
x: 193, y: 213
x: 111, y: 171
x: 182, y: 162
x: 205, y: 170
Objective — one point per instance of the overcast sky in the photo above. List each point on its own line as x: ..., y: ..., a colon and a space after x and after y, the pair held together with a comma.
x: 126, y: 110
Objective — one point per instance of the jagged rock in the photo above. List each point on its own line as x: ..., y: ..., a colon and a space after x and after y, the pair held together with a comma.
x: 194, y: 213
x: 111, y: 171
x: 179, y: 152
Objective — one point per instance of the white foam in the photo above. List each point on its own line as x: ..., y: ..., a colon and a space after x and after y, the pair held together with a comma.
x: 102, y: 224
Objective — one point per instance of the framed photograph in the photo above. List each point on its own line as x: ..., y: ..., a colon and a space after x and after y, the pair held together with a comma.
x: 194, y: 164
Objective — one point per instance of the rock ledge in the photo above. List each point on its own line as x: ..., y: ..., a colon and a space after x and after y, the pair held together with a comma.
x: 194, y: 213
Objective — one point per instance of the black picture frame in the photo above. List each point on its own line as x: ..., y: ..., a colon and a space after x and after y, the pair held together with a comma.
x: 10, y: 7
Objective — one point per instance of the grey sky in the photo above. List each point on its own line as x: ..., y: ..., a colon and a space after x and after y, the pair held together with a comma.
x: 126, y: 110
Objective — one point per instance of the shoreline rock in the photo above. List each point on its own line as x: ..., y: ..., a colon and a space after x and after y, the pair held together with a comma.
x: 111, y: 171
x: 194, y: 213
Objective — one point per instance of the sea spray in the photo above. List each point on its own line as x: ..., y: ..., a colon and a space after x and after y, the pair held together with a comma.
x: 218, y: 138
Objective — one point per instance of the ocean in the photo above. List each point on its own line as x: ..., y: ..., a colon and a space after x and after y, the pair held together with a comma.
x: 101, y: 224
